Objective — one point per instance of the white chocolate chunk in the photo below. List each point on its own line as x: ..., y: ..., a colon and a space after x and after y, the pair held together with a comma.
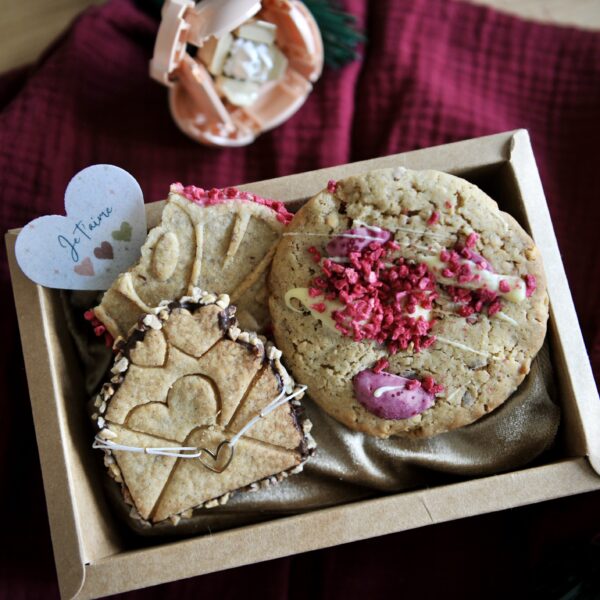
x: 257, y: 31
x: 504, y: 317
x: 280, y: 63
x: 240, y: 93
x: 424, y: 313
x: 214, y: 52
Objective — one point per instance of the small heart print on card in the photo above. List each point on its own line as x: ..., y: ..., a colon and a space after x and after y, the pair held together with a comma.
x: 123, y: 234
x: 100, y: 236
x: 104, y: 251
x: 85, y: 268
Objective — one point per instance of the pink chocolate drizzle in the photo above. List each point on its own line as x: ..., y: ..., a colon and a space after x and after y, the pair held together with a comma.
x: 217, y: 196
x: 412, y: 398
x: 342, y: 245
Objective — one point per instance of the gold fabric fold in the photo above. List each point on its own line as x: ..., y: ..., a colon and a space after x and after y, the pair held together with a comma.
x: 349, y: 466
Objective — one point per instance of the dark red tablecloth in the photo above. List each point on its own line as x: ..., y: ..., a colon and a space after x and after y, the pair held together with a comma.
x: 433, y: 71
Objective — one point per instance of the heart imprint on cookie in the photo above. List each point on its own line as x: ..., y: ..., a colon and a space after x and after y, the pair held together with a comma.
x: 72, y: 252
x: 187, y: 385
x: 220, y: 459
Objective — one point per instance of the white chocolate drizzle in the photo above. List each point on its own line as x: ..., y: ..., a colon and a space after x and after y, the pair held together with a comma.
x: 491, y: 281
x: 363, y: 224
x: 439, y: 236
x: 387, y: 388
x: 504, y: 317
x: 355, y: 236
x: 332, y: 235
x: 461, y: 346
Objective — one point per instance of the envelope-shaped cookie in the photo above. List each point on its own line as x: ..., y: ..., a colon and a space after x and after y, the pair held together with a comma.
x: 221, y: 240
x: 187, y: 377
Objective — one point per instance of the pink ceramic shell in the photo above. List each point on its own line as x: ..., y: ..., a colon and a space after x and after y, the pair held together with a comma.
x: 196, y: 104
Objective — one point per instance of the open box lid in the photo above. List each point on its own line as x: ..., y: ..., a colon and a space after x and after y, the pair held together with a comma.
x: 87, y: 559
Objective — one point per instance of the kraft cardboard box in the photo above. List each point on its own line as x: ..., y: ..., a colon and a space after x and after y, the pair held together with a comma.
x: 93, y: 555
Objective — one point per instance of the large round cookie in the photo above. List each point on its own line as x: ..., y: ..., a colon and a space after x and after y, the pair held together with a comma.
x: 413, y: 337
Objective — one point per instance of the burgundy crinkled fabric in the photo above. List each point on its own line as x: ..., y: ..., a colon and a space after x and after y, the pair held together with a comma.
x: 434, y: 71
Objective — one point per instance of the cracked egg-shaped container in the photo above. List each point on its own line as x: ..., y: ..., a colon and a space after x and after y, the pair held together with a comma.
x: 236, y: 68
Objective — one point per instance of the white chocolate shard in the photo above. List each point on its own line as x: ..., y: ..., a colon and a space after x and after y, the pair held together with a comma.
x: 240, y: 93
x: 214, y: 53
x: 257, y: 31
x: 280, y: 64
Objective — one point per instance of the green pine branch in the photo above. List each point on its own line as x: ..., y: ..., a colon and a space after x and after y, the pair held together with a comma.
x: 341, y: 36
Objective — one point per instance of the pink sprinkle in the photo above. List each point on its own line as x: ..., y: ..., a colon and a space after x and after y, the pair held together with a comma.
x: 379, y: 299
x: 332, y: 186
x: 448, y: 204
x: 413, y: 384
x: 504, y: 286
x: 319, y: 307
x: 434, y: 218
x: 380, y: 365
x: 464, y: 274
x: 214, y: 196
x: 314, y: 292
x: 471, y: 240
x: 494, y: 308
x: 466, y: 310
x: 530, y: 284
x: 429, y: 385
x: 316, y: 255
x: 98, y: 327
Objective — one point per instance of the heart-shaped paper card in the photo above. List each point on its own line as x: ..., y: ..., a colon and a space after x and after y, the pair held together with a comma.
x: 100, y: 236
